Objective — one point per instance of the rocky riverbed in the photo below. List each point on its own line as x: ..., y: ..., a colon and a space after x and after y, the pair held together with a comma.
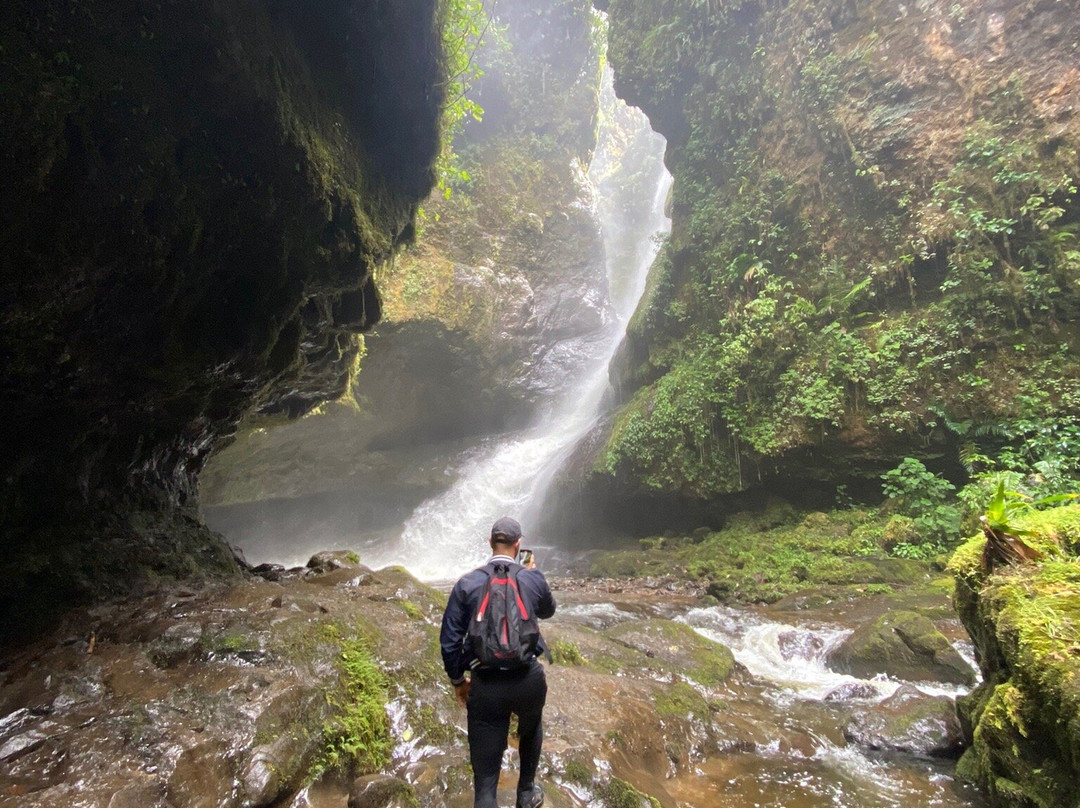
x: 254, y: 695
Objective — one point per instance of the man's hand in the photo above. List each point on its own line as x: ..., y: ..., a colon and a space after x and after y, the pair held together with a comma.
x: 462, y: 692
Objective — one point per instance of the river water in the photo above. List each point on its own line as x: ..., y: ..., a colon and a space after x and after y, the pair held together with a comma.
x: 797, y: 756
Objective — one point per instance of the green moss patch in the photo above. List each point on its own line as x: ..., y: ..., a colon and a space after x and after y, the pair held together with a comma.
x: 754, y: 559
x: 1026, y: 622
x: 358, y: 734
x: 677, y: 649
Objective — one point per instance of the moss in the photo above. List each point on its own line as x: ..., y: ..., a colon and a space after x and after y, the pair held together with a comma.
x: 1026, y: 622
x: 764, y: 556
x: 357, y: 736
x: 435, y: 729
x: 677, y: 649
x: 412, y: 610
x: 680, y: 700
x: 618, y: 793
x: 566, y: 653
x: 578, y: 771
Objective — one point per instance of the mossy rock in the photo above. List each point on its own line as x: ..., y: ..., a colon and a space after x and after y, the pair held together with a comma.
x: 904, y: 645
x: 620, y: 794
x: 908, y: 721
x: 677, y: 649
x: 1025, y: 719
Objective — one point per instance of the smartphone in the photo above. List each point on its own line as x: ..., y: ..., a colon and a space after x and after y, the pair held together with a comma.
x: 525, y: 557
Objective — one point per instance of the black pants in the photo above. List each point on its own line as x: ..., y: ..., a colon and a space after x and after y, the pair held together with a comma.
x: 492, y: 697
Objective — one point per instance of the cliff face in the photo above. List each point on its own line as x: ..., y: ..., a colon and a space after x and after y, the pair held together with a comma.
x: 874, y: 241
x: 196, y: 197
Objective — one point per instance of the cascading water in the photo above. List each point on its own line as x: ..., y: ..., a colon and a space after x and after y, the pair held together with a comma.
x: 787, y: 713
x: 447, y: 534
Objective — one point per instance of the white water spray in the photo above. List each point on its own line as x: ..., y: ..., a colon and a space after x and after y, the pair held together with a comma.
x: 447, y: 535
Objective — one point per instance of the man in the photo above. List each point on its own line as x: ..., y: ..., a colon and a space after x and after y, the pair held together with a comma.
x: 492, y: 694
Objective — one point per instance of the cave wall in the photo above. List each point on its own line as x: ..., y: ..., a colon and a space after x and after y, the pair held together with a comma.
x: 196, y: 197
x: 873, y: 249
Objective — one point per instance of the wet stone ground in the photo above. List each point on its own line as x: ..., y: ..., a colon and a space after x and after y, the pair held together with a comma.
x: 228, y: 696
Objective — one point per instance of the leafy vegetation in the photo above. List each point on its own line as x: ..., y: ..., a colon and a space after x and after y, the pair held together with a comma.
x: 358, y: 735
x: 923, y: 497
x: 761, y: 557
x: 464, y: 24
x: 812, y: 297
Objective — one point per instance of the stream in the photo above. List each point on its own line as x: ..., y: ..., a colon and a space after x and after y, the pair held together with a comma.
x: 785, y: 717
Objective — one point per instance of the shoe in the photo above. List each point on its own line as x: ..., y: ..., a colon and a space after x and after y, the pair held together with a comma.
x: 532, y: 797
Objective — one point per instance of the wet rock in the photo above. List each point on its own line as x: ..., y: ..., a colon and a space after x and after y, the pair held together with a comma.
x: 799, y: 644
x: 179, y: 643
x: 675, y: 648
x: 293, y: 715
x: 908, y: 721
x: 380, y: 791
x: 330, y: 560
x: 144, y: 792
x: 271, y: 572
x: 27, y: 741
x: 852, y: 690
x: 203, y: 776
x: 904, y: 645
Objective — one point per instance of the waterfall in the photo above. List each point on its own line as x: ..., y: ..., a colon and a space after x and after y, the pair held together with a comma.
x: 447, y: 534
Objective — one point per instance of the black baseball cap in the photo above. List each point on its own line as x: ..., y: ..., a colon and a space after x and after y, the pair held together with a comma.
x: 507, y: 528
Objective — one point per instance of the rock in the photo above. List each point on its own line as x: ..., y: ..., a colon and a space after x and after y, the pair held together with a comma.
x: 203, y: 776
x: 903, y: 645
x: 260, y: 779
x: 380, y: 791
x: 330, y: 560
x: 800, y: 644
x: 908, y: 721
x: 125, y: 387
x: 27, y: 741
x: 290, y: 714
x: 852, y: 690
x: 677, y: 649
x: 178, y: 643
x: 271, y: 572
x: 144, y: 792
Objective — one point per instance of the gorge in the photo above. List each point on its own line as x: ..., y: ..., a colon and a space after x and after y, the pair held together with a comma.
x: 229, y: 294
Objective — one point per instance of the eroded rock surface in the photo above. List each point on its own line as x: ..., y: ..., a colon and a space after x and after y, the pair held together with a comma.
x: 196, y: 198
x: 235, y: 695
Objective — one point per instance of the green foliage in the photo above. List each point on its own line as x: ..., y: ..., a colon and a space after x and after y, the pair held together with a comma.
x: 805, y: 296
x: 923, y: 496
x: 464, y: 24
x: 755, y: 561
x: 566, y: 653
x: 358, y: 735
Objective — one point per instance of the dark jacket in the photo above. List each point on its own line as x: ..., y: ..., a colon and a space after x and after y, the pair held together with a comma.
x: 462, y: 605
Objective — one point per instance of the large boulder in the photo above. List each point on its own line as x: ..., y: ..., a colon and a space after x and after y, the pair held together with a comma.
x: 903, y: 645
x: 908, y: 721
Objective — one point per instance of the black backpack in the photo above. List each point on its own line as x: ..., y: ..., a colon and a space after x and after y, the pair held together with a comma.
x: 503, y: 632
